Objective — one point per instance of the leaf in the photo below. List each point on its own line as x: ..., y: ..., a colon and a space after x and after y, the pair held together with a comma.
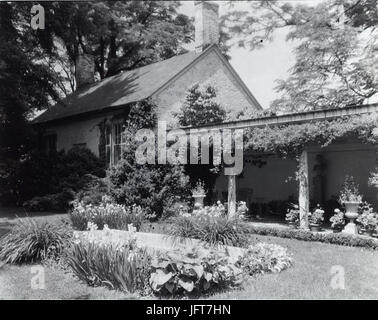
x: 159, y: 278
x: 186, y: 285
x: 198, y: 270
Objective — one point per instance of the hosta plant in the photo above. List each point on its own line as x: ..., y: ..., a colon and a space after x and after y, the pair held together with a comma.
x: 265, y: 258
x: 193, y: 271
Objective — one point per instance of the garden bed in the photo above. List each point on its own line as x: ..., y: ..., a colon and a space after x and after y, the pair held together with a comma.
x: 306, y: 235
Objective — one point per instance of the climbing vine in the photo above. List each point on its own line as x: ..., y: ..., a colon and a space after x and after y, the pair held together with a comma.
x: 289, y: 140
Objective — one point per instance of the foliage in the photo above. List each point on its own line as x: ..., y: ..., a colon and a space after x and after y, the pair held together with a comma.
x: 265, y: 258
x: 120, y: 35
x: 193, y: 272
x: 316, y: 217
x: 373, y: 179
x: 177, y: 208
x: 121, y: 266
x: 293, y: 138
x: 93, y: 190
x: 337, y: 220
x: 211, y: 225
x: 305, y: 235
x: 57, y: 202
x: 199, y: 189
x: 368, y: 219
x: 55, y: 175
x: 154, y: 187
x: 200, y: 107
x: 113, y: 215
x: 334, y: 62
x: 292, y: 214
x: 31, y: 241
x: 349, y: 191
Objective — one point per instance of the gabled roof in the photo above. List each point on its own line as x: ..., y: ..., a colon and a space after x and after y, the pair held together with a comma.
x: 129, y: 86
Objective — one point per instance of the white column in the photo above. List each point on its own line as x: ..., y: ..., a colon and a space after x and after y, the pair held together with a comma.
x: 304, y: 195
x: 231, y: 201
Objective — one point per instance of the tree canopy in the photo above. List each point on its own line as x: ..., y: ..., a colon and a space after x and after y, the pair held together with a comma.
x: 335, y: 47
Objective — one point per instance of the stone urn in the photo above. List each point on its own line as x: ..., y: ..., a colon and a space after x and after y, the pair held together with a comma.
x: 351, y: 212
x: 198, y: 199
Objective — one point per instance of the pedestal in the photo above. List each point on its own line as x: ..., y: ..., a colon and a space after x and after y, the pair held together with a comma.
x: 350, y: 228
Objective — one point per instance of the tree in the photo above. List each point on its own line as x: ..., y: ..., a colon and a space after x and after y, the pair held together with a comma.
x: 121, y: 35
x: 200, y: 107
x: 26, y: 84
x: 334, y: 63
x: 154, y: 187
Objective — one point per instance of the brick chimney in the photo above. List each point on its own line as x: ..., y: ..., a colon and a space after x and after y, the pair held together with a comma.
x: 206, y: 24
x: 85, y: 69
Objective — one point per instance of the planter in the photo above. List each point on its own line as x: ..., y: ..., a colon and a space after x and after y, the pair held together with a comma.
x: 292, y: 225
x: 315, y: 227
x: 351, y: 212
x: 198, y: 199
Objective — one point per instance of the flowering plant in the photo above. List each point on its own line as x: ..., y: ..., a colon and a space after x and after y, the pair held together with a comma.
x: 84, y: 216
x: 316, y: 217
x: 349, y: 191
x: 242, y: 209
x: 292, y: 214
x: 337, y: 219
x: 199, y: 189
x: 368, y: 219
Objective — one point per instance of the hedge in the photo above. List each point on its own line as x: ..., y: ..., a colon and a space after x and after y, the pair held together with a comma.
x: 306, y: 235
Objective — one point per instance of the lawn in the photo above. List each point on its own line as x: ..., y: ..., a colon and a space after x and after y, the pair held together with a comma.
x: 308, y: 278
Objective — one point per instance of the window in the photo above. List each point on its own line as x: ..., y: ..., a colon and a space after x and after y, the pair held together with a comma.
x: 114, y: 142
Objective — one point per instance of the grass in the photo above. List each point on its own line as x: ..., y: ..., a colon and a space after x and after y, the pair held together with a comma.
x: 15, y: 283
x: 310, y: 276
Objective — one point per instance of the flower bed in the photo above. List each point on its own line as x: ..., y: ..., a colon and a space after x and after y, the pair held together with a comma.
x: 334, y: 238
x: 177, y: 266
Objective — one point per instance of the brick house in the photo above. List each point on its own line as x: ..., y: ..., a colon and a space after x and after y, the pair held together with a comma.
x: 77, y: 120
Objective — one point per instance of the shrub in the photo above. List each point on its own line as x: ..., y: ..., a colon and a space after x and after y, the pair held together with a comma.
x: 31, y: 241
x: 59, y: 202
x: 193, y: 272
x: 120, y: 266
x: 264, y: 258
x: 54, y: 174
x: 334, y: 238
x: 211, y: 225
x: 368, y: 220
x: 115, y: 216
x: 93, y: 190
x: 154, y: 187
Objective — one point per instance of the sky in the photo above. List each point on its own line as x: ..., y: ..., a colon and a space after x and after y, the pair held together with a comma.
x: 259, y: 68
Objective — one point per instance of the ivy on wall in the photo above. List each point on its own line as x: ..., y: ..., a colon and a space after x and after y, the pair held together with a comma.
x: 290, y: 139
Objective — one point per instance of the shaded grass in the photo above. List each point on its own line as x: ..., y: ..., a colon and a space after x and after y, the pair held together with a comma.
x: 15, y: 283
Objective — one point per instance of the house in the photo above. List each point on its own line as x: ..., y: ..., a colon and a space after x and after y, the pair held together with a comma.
x: 77, y: 120
x: 268, y: 180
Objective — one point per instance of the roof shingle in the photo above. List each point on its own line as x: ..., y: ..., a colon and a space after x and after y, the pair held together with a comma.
x: 118, y: 90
